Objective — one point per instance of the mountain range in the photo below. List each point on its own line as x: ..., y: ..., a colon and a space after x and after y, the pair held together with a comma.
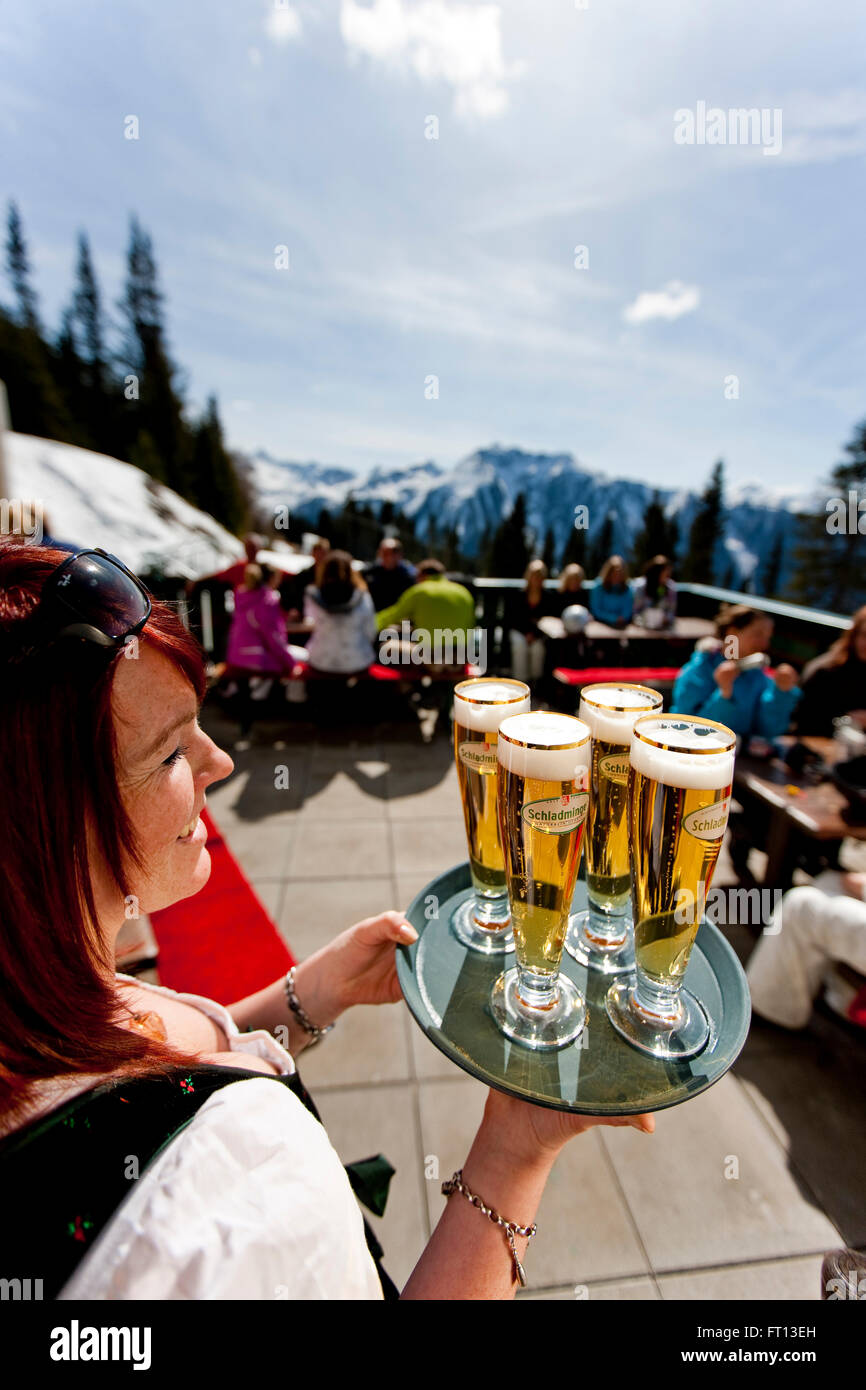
x: 479, y: 491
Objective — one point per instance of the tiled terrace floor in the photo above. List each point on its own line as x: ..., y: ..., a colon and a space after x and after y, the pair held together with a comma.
x: 370, y: 816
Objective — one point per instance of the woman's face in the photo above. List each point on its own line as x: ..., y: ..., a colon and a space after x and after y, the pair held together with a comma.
x: 616, y: 575
x: 165, y: 764
x: 756, y: 637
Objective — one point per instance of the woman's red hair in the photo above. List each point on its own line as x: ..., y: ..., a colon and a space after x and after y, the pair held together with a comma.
x: 59, y: 1013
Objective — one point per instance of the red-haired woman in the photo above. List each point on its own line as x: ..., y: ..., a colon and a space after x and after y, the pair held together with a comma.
x: 149, y: 1148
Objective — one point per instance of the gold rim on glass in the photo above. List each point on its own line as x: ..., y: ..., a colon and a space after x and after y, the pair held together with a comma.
x: 492, y: 680
x: 548, y: 747
x: 689, y: 719
x: 619, y: 685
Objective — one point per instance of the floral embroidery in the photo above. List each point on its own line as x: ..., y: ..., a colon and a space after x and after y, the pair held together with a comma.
x: 186, y: 1085
x: 77, y: 1228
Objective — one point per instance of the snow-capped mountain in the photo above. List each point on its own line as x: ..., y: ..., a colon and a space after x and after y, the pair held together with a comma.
x: 480, y: 490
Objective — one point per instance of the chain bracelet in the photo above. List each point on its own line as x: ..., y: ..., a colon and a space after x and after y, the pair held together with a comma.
x: 511, y: 1228
x: 316, y: 1034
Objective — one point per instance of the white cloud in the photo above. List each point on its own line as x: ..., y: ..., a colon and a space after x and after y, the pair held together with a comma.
x: 671, y: 302
x: 440, y: 41
x: 283, y: 22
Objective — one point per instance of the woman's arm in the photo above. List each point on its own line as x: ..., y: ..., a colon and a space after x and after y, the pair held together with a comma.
x: 468, y: 1256
x: 357, y: 967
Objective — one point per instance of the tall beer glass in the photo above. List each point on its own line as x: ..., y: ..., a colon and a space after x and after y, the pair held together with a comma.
x: 543, y: 796
x: 483, y: 922
x: 680, y: 778
x: 601, y: 936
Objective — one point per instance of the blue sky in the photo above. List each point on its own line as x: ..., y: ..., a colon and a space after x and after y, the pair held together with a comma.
x: 265, y: 124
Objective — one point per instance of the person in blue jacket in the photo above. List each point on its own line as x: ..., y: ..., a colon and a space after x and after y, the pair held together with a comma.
x: 711, y: 684
x: 611, y: 598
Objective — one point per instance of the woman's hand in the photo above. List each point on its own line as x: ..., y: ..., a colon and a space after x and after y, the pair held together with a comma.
x: 785, y: 677
x: 724, y: 675
x: 534, y: 1134
x: 358, y: 967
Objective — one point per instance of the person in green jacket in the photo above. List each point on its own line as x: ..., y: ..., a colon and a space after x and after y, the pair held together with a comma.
x: 435, y: 621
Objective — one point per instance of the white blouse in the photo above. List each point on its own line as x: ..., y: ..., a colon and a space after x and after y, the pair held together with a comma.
x: 250, y: 1201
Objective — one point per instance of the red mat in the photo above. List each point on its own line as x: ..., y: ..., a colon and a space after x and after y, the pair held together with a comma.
x: 220, y: 943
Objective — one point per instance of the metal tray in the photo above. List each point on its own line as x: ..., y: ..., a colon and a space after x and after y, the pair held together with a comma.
x: 447, y: 986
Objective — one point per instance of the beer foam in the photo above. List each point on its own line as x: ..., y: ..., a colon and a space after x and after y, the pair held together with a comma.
x: 550, y: 762
x: 486, y: 717
x: 688, y: 764
x: 614, y: 725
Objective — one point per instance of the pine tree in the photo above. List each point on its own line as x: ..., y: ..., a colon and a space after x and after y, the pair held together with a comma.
x: 548, y: 554
x: 213, y: 476
x: 772, y: 569
x: 159, y: 409
x: 509, y: 552
x: 706, y: 531
x: 602, y: 547
x: 654, y: 538
x: 830, y: 571
x: 575, y: 548
x: 18, y: 266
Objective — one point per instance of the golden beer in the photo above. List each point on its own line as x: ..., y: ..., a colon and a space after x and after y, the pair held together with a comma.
x: 680, y: 780
x: 678, y: 832
x: 543, y: 801
x: 610, y: 711
x: 479, y: 708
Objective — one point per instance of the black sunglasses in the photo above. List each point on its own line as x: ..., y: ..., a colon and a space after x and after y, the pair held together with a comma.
x: 93, y: 595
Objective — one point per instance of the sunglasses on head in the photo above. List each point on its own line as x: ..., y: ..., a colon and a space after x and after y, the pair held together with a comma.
x: 93, y: 595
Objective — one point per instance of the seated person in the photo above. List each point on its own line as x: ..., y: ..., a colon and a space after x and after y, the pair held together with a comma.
x: 655, y: 595
x: 344, y: 620
x: 390, y: 576
x: 257, y: 636
x: 570, y: 591
x: 611, y: 598
x: 812, y: 928
x: 835, y: 683
x: 712, y: 684
x: 293, y: 587
x: 523, y: 608
x: 434, y: 619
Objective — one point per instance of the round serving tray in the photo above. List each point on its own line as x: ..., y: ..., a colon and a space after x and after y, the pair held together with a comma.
x: 447, y: 986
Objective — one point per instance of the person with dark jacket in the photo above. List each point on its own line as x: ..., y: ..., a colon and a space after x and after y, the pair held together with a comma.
x: 523, y: 608
x: 390, y: 576
x: 835, y: 683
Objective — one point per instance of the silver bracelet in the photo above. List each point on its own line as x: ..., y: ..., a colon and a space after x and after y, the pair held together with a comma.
x: 511, y: 1228
x: 316, y: 1034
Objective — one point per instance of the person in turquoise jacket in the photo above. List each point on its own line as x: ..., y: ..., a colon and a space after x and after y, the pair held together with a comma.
x: 711, y: 684
x: 611, y: 599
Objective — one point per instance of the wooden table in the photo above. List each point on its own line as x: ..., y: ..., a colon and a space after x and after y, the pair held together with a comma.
x: 683, y: 630
x: 797, y: 807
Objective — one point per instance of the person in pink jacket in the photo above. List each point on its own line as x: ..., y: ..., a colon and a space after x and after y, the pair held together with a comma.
x: 258, y: 647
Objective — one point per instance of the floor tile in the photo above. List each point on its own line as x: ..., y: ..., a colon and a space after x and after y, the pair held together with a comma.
x: 798, y: 1278
x: 314, y: 911
x: 337, y: 796
x: 584, y: 1231
x: 813, y: 1096
x: 367, y: 1045
x: 262, y: 850
x: 381, y: 1119
x: 353, y: 847
x: 617, y: 1291
x: 428, y: 845
x: 688, y: 1212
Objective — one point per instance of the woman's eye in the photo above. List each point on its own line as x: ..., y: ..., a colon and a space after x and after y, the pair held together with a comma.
x: 175, y: 756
